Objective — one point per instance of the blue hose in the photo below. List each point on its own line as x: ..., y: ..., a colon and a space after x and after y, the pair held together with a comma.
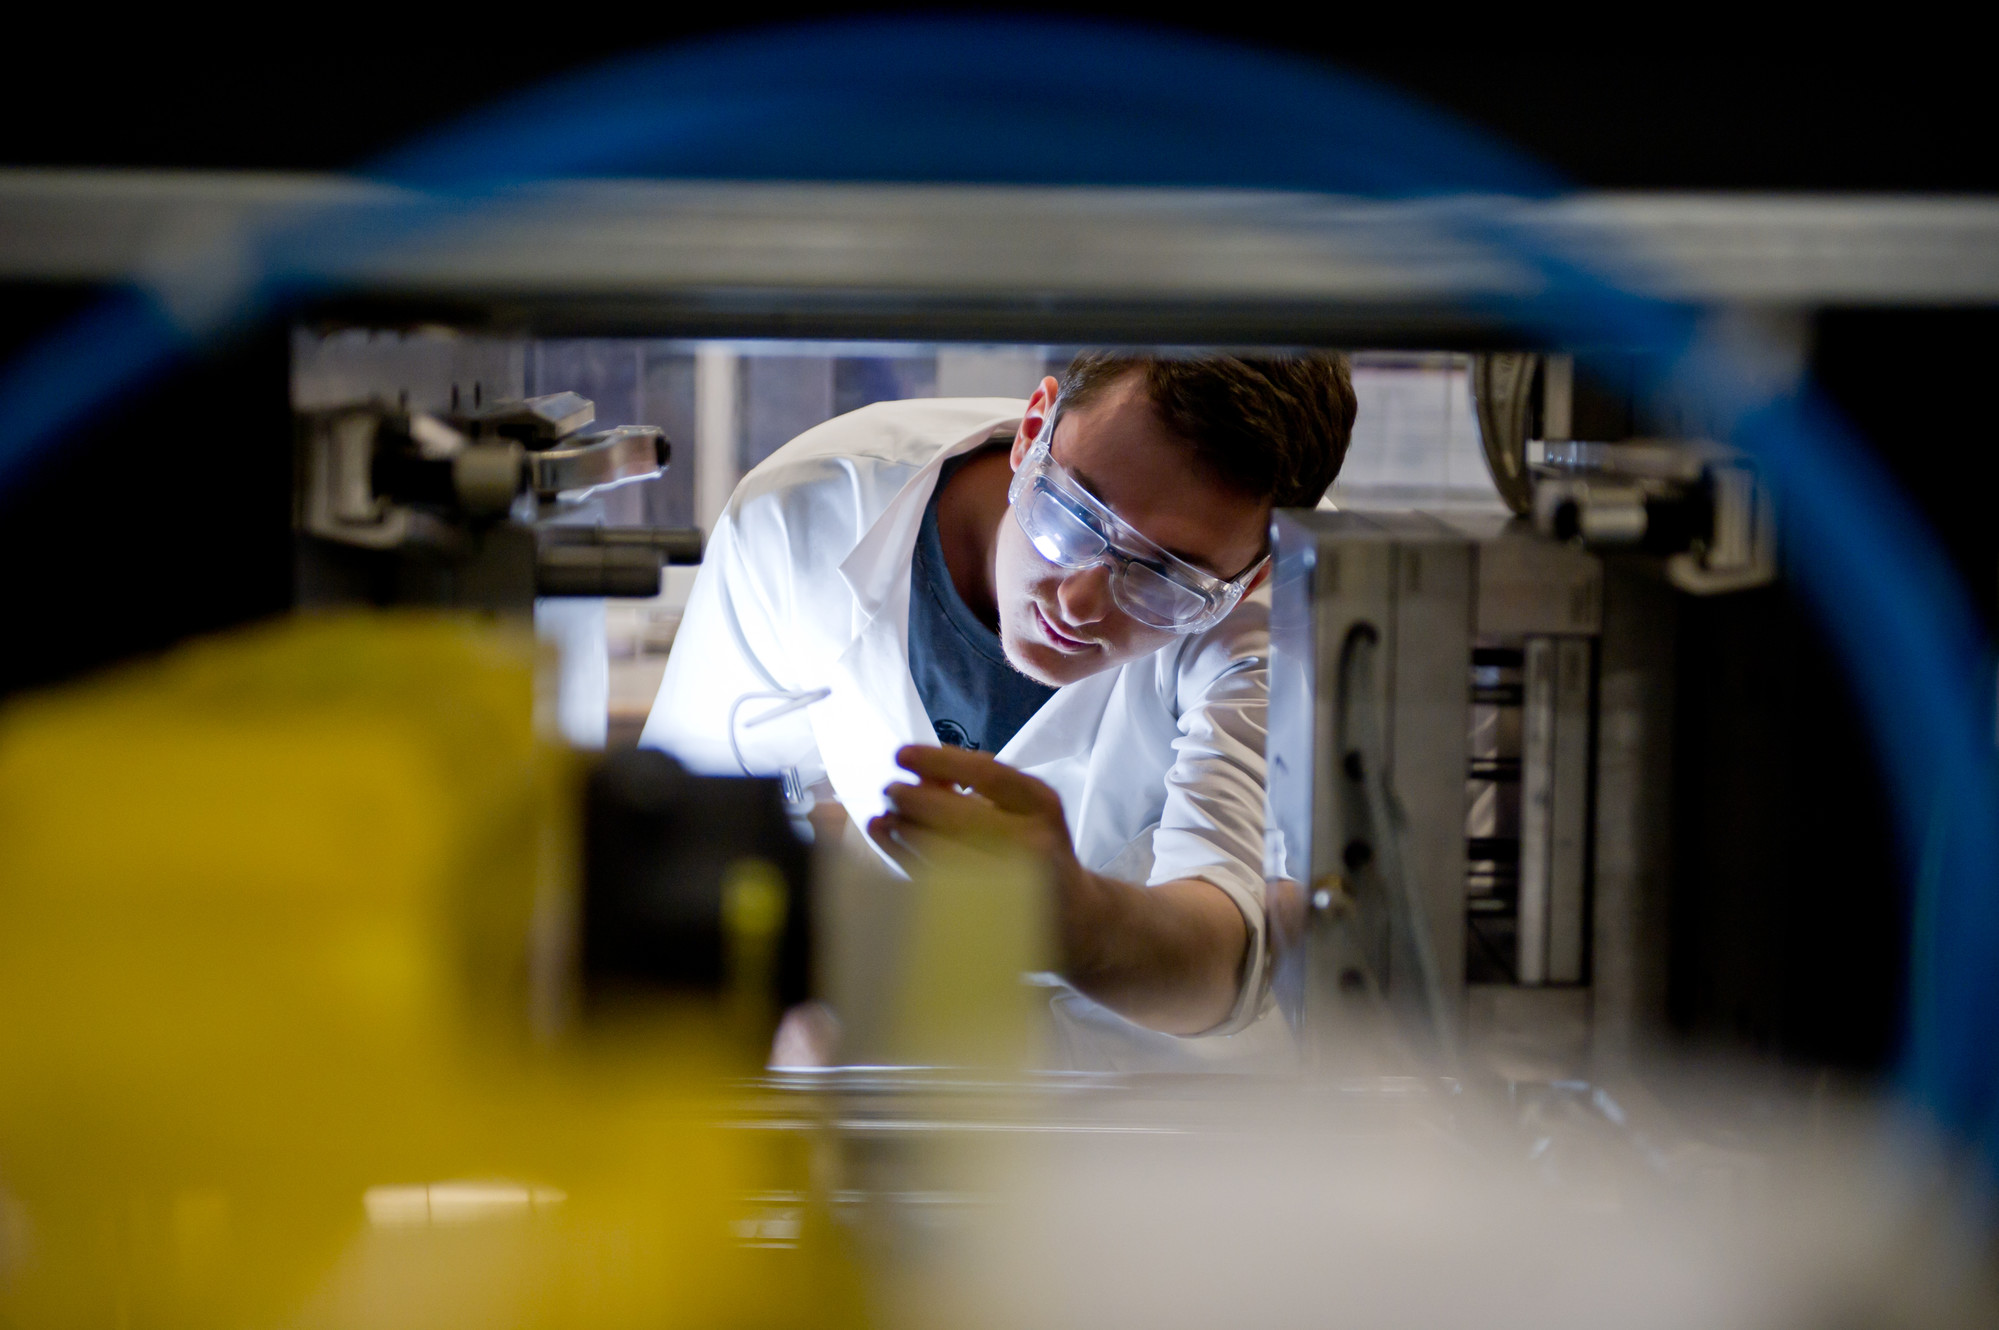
x: 1059, y: 102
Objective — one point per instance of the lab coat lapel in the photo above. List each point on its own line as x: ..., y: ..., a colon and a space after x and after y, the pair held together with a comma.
x: 1061, y: 744
x: 874, y: 708
x: 1065, y: 727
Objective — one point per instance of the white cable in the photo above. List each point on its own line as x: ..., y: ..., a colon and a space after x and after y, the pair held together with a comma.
x: 790, y: 700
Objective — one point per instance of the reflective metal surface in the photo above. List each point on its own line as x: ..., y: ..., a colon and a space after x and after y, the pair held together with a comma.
x: 720, y: 250
x: 585, y: 463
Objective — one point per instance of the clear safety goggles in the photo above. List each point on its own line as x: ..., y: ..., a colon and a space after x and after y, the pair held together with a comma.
x: 1072, y: 528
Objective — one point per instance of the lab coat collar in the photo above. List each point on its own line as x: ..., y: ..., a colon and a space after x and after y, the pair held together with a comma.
x: 874, y: 708
x: 1066, y: 725
x: 878, y: 565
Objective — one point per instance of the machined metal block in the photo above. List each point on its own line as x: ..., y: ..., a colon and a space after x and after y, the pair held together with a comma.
x: 1371, y: 650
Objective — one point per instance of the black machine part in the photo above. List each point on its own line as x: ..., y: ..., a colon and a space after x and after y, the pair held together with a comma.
x: 1569, y: 443
x: 1505, y: 388
x: 663, y: 851
x: 609, y: 560
x: 486, y: 509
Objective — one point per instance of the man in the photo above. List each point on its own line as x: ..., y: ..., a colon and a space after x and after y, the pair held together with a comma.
x: 1060, y: 591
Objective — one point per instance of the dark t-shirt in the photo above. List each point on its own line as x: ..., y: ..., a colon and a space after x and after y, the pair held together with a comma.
x: 974, y: 698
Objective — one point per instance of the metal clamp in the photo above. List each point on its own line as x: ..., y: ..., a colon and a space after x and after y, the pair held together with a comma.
x: 585, y: 464
x: 1701, y: 505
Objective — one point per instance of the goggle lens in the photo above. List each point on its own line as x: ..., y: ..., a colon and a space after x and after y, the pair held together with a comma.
x: 1066, y: 530
x: 1150, y: 597
x: 1061, y: 534
x: 1068, y: 539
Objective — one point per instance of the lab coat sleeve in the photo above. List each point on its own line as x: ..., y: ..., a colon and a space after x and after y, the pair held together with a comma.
x: 1211, y: 826
x: 729, y: 647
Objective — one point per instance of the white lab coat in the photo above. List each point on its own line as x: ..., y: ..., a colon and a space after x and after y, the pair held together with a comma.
x: 1159, y: 763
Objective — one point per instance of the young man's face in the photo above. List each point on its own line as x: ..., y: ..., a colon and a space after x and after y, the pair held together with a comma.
x: 1059, y: 625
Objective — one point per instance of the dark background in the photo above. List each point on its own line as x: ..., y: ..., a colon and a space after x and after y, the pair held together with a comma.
x: 1788, y: 913
x: 343, y: 85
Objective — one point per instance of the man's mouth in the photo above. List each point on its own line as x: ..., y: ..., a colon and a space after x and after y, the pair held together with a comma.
x: 1060, y: 640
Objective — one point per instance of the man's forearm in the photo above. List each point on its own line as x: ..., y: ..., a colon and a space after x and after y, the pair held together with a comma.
x: 1168, y: 957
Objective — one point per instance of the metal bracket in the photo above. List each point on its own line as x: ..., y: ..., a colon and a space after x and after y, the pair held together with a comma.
x: 585, y: 464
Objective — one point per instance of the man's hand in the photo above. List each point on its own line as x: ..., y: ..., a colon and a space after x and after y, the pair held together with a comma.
x: 968, y: 796
x: 1167, y: 956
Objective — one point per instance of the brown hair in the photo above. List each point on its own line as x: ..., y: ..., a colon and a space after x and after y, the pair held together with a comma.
x: 1274, y: 425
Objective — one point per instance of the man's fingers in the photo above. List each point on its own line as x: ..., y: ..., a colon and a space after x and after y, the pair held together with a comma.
x: 1012, y: 790
x: 888, y: 831
x: 943, y: 810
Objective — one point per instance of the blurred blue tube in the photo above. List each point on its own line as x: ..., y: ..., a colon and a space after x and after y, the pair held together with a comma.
x: 1045, y: 101
x: 95, y: 360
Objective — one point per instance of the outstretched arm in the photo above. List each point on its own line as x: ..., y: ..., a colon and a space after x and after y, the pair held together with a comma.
x: 1167, y: 956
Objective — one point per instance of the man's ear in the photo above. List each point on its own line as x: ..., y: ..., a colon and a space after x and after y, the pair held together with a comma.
x: 1038, y: 407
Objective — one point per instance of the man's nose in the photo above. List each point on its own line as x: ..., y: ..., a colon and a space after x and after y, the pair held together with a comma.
x: 1085, y: 595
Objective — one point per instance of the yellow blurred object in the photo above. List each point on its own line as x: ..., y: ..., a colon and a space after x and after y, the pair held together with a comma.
x: 286, y: 927
x: 978, y: 923
x: 753, y: 909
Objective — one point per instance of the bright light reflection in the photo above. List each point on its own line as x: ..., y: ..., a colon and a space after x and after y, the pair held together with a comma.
x: 455, y: 1203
